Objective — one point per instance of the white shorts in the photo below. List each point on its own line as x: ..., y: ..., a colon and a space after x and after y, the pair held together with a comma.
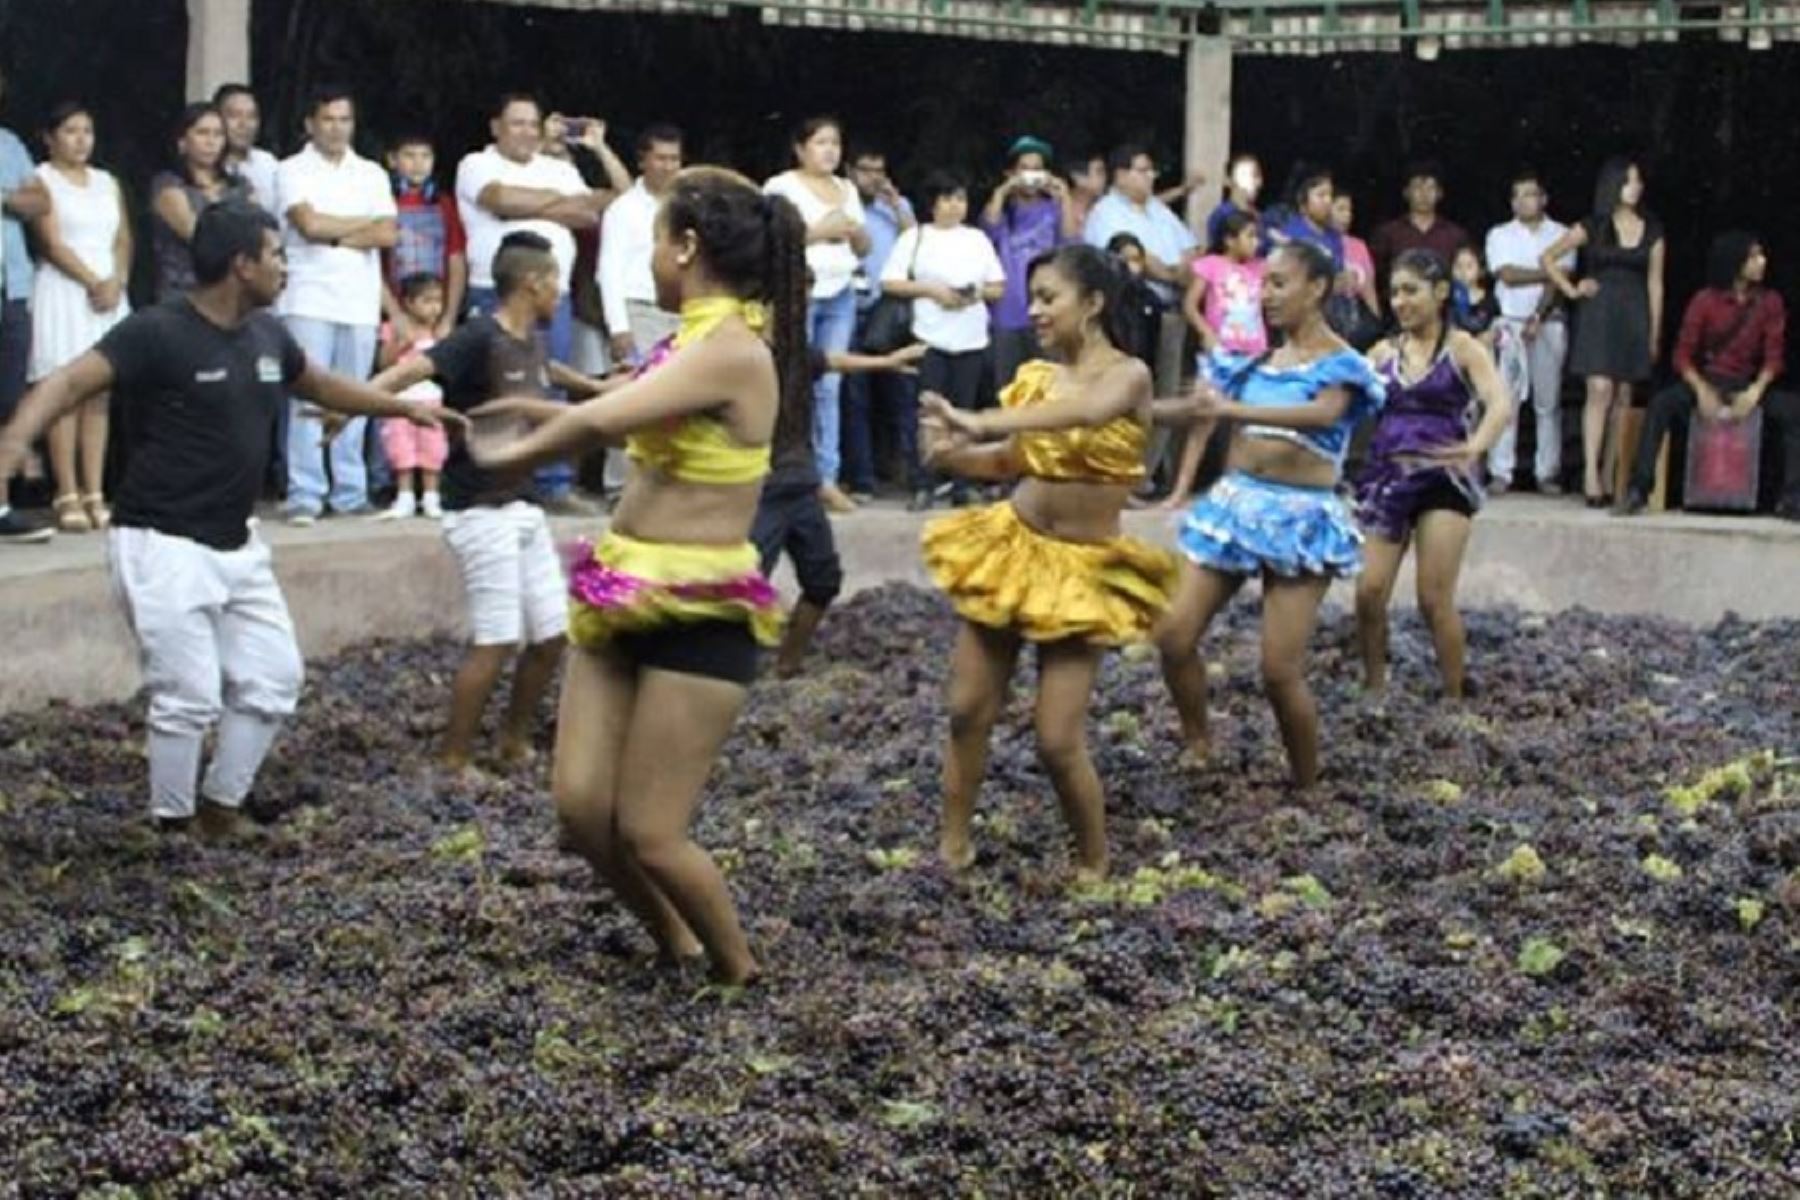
x: 511, y: 575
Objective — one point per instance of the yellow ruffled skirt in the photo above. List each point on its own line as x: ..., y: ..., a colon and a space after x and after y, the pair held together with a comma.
x: 622, y: 585
x: 1000, y: 572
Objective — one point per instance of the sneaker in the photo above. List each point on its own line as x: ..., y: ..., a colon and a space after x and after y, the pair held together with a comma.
x: 571, y: 504
x: 1631, y: 505
x: 920, y: 502
x: 1788, y: 510
x: 16, y: 530
x: 1549, y: 487
x: 834, y: 500
x: 404, y: 506
x: 432, y: 507
x: 303, y: 518
x: 1499, y: 487
x: 862, y: 495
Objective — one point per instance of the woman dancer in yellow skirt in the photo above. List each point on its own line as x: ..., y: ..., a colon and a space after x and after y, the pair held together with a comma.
x: 1048, y: 566
x: 668, y: 609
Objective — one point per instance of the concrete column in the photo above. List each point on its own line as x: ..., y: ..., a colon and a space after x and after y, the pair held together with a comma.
x: 218, y: 45
x: 1206, y: 145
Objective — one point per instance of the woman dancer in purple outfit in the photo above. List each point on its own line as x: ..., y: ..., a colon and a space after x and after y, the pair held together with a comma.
x: 1422, y: 483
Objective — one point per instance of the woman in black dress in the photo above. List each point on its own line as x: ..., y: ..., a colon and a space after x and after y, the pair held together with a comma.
x: 1619, y: 308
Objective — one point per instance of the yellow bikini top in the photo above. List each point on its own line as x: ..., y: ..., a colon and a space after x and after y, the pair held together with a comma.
x: 1109, y: 453
x: 698, y: 448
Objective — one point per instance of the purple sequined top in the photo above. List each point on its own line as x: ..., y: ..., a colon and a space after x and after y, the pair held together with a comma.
x: 1433, y: 411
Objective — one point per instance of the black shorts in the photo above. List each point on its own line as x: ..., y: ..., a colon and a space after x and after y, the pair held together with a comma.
x: 715, y: 649
x: 1443, y: 496
x: 789, y: 517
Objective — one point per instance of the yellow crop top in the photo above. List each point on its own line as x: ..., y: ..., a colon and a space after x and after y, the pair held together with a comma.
x: 698, y: 448
x: 1109, y: 453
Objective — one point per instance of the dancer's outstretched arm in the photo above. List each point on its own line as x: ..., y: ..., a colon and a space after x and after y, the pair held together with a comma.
x: 702, y: 379
x: 1325, y: 410
x: 1117, y: 393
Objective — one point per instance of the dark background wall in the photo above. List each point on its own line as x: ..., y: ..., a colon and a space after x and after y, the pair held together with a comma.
x: 1717, y: 125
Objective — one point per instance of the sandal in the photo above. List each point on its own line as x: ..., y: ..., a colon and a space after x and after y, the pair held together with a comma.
x: 70, y: 516
x: 97, y: 512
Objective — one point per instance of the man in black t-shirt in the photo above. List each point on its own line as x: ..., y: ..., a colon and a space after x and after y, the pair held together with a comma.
x: 512, y: 577
x: 198, y: 383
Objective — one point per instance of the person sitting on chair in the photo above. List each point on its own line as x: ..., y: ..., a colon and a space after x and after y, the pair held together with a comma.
x: 1729, y: 353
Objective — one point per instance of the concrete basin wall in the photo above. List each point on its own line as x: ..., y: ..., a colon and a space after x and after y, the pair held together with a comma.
x: 65, y: 640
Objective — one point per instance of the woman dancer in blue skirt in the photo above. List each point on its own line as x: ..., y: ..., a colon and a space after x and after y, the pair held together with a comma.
x: 1276, y: 514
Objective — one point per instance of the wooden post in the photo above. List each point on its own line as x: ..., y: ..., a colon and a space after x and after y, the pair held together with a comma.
x: 1206, y: 144
x: 218, y: 45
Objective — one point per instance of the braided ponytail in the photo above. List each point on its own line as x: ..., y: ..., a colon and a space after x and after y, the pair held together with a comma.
x: 755, y: 244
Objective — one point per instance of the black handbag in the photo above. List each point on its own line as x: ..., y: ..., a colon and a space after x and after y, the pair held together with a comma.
x: 888, y: 326
x: 1351, y: 320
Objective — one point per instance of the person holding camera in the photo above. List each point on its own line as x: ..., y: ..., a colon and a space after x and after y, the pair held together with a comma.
x: 525, y: 181
x: 1031, y: 213
x: 951, y: 273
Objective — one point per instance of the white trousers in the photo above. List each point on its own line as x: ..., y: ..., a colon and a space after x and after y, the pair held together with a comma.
x: 1544, y: 357
x: 512, y: 577
x: 217, y: 646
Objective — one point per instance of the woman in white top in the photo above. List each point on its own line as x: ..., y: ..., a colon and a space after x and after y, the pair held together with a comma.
x: 951, y: 272
x: 76, y: 297
x: 835, y: 244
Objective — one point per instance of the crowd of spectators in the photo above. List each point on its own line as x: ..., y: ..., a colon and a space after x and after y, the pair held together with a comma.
x: 385, y: 258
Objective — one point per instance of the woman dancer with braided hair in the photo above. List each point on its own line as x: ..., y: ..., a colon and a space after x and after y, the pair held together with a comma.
x: 668, y: 609
x: 1422, y: 484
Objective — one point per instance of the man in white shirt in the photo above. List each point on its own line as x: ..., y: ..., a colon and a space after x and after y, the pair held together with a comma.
x: 511, y: 186
x: 627, y: 235
x: 243, y: 122
x: 1532, y: 315
x: 1132, y: 207
x: 338, y: 215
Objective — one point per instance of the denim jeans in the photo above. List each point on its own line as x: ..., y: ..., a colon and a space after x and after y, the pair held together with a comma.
x: 347, y: 350
x: 554, y: 480
x: 829, y: 324
x: 892, y: 399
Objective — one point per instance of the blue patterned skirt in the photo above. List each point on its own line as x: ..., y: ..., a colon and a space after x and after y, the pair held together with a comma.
x: 1245, y: 525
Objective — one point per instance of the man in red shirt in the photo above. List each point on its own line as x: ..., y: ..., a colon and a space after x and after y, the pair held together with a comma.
x: 1419, y: 227
x: 1730, y: 351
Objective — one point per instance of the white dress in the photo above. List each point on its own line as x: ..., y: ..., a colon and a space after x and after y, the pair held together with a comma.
x: 64, y: 325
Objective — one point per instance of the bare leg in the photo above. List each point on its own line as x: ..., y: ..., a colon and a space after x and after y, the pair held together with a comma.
x: 1374, y: 590
x: 1066, y: 672
x: 1615, y: 432
x: 1290, y: 611
x: 981, y: 666
x: 61, y: 438
x: 95, y: 426
x: 796, y: 640
x: 469, y: 694
x: 1200, y: 596
x: 598, y: 697
x: 1595, y: 417
x: 1442, y: 539
x: 678, y: 724
x: 430, y: 479
x: 531, y: 679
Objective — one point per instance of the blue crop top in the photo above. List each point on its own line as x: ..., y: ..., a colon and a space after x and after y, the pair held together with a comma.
x: 1253, y: 382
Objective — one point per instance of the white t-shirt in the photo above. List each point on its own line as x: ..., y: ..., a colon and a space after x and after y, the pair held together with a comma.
x: 1515, y: 245
x: 627, y: 236
x: 833, y: 263
x: 332, y: 283
x: 486, y: 231
x: 260, y: 169
x: 958, y: 258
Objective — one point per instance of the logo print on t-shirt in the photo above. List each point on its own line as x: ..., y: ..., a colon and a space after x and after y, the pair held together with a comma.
x: 268, y: 370
x: 218, y: 376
